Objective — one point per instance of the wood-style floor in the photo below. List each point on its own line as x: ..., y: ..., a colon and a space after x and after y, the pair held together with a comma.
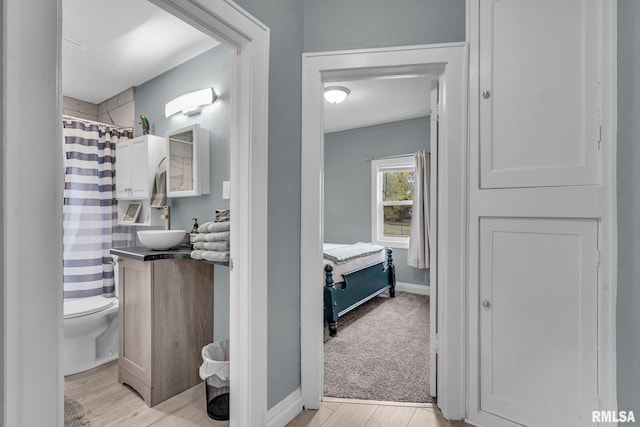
x: 107, y: 403
x: 362, y: 413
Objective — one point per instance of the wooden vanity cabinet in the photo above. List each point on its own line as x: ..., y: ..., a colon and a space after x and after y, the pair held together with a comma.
x: 166, y: 317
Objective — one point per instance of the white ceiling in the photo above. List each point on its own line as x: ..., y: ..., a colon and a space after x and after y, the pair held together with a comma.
x: 110, y: 45
x: 376, y: 101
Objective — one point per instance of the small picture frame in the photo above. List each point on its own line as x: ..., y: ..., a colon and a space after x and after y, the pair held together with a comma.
x: 130, y: 215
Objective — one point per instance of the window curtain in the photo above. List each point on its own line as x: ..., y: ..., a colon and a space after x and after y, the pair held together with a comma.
x: 90, y: 216
x: 418, y: 255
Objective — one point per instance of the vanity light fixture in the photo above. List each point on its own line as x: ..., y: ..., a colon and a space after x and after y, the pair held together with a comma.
x: 190, y: 103
x: 336, y: 94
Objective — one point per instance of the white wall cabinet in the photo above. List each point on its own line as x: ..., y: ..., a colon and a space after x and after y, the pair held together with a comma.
x: 136, y: 163
x: 188, y: 162
x: 540, y: 83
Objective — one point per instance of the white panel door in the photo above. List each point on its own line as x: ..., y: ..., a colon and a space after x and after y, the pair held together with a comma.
x: 123, y: 170
x: 540, y: 210
x: 540, y: 85
x: 538, y: 319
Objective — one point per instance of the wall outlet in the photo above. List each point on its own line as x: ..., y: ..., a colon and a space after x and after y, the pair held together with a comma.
x: 225, y: 189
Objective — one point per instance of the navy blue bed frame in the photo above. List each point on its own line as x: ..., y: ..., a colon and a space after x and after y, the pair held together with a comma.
x: 358, y: 287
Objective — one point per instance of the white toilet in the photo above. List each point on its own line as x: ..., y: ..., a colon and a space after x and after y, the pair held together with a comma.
x: 90, y: 332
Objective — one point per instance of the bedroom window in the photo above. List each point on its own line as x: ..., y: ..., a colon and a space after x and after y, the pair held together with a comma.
x: 392, y: 200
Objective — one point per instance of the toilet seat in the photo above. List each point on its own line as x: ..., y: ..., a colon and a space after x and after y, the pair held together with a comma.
x: 85, y: 306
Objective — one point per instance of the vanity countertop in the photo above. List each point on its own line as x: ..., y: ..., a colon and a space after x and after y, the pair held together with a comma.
x: 142, y: 253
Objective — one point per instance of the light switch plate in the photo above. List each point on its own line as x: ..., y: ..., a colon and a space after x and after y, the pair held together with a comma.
x: 225, y: 189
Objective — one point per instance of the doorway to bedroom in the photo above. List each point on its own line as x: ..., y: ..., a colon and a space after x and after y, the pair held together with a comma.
x: 448, y: 163
x: 377, y: 206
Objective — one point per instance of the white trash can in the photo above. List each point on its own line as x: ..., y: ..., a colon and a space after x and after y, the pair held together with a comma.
x: 215, y: 373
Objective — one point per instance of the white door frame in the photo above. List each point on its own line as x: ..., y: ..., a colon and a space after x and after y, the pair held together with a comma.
x: 433, y: 240
x: 450, y: 62
x: 32, y: 183
x: 33, y: 205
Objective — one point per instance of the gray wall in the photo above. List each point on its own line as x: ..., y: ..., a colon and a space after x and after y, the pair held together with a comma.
x: 356, y: 24
x: 347, y: 182
x: 628, y: 315
x: 211, y: 69
x: 284, y: 18
x: 310, y: 26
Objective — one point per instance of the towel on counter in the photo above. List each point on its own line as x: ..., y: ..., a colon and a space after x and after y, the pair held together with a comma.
x: 213, y: 256
x: 212, y: 237
x: 214, y: 227
x: 159, y: 191
x: 212, y: 246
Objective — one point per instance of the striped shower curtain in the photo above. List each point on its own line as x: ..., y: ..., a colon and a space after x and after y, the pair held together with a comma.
x: 90, y: 217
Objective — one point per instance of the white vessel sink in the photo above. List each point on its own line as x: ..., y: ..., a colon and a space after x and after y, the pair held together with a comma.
x: 161, y: 239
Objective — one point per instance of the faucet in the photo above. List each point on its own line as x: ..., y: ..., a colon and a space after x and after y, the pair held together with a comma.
x: 166, y: 216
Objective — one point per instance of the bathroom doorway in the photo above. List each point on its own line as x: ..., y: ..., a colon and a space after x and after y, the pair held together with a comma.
x: 30, y: 300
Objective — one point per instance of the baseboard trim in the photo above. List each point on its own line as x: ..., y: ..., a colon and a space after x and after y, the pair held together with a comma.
x: 412, y: 288
x: 286, y: 410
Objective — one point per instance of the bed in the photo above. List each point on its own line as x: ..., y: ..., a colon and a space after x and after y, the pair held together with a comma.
x: 348, y: 284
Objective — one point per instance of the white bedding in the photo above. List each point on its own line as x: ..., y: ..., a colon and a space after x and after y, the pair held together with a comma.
x: 351, y: 265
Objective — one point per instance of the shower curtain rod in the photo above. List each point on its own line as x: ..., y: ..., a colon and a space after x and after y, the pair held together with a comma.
x: 93, y: 122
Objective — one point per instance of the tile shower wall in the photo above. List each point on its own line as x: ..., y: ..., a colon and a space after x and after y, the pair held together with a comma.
x: 117, y: 110
x: 80, y: 109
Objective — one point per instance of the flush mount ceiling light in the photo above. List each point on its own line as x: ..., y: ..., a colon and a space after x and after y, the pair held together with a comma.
x: 190, y: 103
x: 336, y: 94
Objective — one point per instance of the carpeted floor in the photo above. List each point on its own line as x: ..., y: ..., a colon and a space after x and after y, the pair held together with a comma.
x: 381, y: 351
x: 74, y: 414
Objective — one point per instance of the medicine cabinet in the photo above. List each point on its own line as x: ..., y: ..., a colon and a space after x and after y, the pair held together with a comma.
x: 188, y: 161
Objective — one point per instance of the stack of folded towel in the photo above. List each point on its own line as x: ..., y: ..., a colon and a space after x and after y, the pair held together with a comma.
x: 212, y: 241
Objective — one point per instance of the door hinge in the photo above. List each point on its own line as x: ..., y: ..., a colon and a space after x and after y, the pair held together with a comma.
x: 598, y: 258
x: 599, y: 130
x: 435, y: 344
x: 231, y: 263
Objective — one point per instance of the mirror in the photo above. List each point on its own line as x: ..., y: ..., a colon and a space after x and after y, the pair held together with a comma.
x: 188, y: 162
x: 181, y: 159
